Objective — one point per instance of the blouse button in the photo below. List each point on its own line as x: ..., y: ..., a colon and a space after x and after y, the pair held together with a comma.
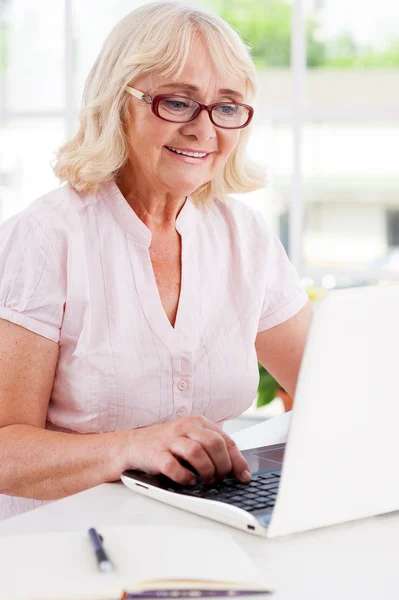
x: 182, y: 411
x: 182, y: 385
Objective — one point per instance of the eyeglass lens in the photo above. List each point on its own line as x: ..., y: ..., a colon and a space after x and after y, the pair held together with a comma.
x: 181, y: 110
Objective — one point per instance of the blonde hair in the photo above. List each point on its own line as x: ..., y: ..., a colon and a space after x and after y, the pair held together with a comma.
x: 155, y: 37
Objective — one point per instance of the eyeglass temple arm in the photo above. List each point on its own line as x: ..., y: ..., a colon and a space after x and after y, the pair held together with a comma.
x: 134, y: 92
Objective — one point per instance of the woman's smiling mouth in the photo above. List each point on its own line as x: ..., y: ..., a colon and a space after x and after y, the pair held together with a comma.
x: 186, y: 155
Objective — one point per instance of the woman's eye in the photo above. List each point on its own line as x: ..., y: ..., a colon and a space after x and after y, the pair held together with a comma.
x: 176, y: 104
x: 229, y: 109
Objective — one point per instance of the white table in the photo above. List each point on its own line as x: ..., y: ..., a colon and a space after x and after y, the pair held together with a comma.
x: 359, y: 560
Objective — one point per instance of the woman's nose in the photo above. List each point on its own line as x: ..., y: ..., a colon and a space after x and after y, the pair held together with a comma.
x: 201, y: 127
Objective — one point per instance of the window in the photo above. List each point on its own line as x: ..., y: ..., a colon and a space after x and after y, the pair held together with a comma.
x: 326, y: 121
x: 32, y: 99
x: 349, y: 171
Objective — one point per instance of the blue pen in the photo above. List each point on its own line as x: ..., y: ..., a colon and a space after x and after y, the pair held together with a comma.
x: 103, y: 562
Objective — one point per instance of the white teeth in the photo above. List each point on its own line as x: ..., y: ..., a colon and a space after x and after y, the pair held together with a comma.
x: 195, y: 154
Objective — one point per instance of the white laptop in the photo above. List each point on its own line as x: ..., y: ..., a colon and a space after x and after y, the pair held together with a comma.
x: 340, y: 459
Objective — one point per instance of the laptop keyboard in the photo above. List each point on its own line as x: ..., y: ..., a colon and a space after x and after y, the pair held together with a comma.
x: 258, y: 494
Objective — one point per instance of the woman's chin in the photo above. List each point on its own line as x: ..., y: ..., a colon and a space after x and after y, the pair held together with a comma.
x: 187, y: 189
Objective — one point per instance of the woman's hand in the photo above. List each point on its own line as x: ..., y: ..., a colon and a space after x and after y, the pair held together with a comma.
x: 213, y: 454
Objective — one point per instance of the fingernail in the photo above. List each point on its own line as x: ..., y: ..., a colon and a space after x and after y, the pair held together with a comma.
x: 245, y: 476
x: 192, y: 481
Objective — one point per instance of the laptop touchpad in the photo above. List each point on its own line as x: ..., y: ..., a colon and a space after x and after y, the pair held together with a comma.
x: 265, y: 460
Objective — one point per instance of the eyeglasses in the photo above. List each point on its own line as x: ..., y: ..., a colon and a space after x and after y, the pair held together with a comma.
x: 179, y: 109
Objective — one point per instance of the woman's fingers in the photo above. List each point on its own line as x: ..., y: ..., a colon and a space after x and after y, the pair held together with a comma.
x: 210, y: 451
x: 170, y: 466
x: 215, y: 448
x: 194, y: 452
x: 239, y: 465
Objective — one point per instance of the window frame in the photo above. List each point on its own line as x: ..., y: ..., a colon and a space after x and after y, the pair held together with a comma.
x: 297, y: 115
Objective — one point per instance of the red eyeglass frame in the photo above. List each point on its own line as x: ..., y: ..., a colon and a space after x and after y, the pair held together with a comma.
x: 155, y: 101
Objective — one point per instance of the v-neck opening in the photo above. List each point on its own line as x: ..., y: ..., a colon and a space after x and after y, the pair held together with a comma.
x: 157, y: 291
x: 178, y: 336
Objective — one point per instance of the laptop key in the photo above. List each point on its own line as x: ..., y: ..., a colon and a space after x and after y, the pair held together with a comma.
x: 264, y: 498
x: 270, y: 486
x: 234, y: 499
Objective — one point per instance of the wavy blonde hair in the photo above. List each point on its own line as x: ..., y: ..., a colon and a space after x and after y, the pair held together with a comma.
x: 154, y: 37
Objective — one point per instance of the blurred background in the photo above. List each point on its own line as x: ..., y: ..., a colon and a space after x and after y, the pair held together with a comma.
x: 326, y: 126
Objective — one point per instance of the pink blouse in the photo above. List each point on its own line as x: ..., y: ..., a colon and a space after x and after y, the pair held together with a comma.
x: 76, y: 269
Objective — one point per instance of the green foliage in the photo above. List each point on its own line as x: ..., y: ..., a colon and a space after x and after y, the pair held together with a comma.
x: 265, y: 25
x: 315, y: 49
x: 343, y: 52
x: 268, y: 387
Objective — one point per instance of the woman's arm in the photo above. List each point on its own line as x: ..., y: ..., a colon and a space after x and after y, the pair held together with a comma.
x: 47, y: 465
x: 36, y: 463
x: 280, y: 348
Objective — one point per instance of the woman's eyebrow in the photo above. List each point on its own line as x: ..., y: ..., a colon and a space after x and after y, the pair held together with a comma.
x: 193, y: 88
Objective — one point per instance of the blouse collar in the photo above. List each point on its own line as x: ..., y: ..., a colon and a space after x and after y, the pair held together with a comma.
x: 132, y: 224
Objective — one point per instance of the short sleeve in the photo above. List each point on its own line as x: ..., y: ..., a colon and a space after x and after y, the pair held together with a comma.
x: 32, y: 275
x: 284, y: 295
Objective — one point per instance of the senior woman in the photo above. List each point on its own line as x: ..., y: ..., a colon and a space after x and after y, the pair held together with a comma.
x: 136, y: 299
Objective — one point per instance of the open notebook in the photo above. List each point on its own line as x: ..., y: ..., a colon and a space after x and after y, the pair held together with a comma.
x: 62, y: 566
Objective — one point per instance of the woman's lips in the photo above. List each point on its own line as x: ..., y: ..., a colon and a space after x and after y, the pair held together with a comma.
x: 188, y: 159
